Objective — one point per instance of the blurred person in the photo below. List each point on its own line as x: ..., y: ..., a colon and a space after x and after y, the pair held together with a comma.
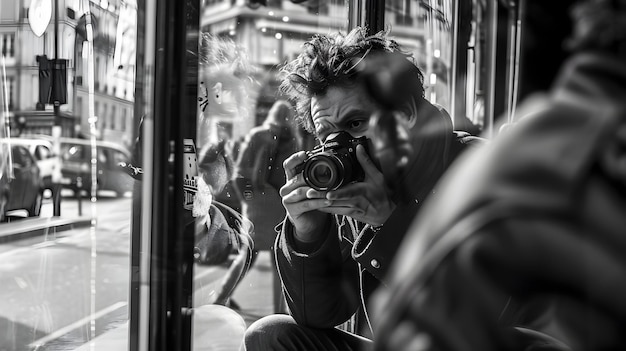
x: 335, y: 245
x: 260, y: 166
x: 523, y: 248
x: 220, y: 231
x: 226, y: 87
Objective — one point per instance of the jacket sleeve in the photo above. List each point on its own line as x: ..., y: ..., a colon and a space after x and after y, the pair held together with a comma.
x: 322, y: 286
x: 375, y: 250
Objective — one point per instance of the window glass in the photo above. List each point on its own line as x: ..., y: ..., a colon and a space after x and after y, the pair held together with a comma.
x: 425, y: 28
x: 42, y: 152
x: 66, y: 286
x: 20, y: 157
x: 74, y: 152
x: 119, y: 157
x: 64, y: 257
x: 102, y: 156
x: 9, y: 11
x: 238, y: 86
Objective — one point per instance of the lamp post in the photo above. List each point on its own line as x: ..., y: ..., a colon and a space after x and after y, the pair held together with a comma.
x: 39, y: 15
x: 55, y: 100
x: 56, y: 128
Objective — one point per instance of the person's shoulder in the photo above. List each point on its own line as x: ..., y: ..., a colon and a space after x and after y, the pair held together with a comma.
x: 260, y: 133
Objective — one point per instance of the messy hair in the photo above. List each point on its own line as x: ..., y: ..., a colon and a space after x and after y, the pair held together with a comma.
x: 331, y: 60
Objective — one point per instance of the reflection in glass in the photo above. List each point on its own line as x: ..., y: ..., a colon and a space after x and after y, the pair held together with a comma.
x: 425, y: 29
x: 64, y: 258
x: 245, y: 131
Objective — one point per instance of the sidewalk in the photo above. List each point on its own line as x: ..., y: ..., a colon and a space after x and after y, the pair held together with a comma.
x: 29, y: 227
x: 215, y: 328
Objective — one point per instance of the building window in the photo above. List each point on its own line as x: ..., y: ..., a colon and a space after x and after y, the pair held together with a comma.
x: 96, y: 109
x: 113, y: 117
x: 123, y: 121
x: 11, y: 88
x: 79, y: 107
x: 97, y: 75
x: 8, y: 44
x: 105, y: 116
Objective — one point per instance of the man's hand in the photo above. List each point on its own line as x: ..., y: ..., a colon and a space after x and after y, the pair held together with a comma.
x: 367, y: 201
x: 302, y: 203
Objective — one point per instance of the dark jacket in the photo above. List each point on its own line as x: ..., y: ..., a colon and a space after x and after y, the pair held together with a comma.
x: 260, y: 166
x: 524, y: 245
x: 323, y: 286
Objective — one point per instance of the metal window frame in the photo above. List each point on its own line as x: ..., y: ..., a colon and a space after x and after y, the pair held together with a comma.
x: 161, y: 248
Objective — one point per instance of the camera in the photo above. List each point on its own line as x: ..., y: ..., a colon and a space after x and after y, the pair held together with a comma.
x: 334, y: 163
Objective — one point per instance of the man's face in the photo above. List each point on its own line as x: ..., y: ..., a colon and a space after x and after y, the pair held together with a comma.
x: 342, y: 109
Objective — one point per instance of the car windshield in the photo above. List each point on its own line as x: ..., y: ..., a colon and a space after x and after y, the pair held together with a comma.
x: 73, y: 153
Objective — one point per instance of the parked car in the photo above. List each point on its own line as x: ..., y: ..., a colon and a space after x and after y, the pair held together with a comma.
x: 21, y: 189
x: 76, y: 155
x: 41, y: 150
x: 75, y: 159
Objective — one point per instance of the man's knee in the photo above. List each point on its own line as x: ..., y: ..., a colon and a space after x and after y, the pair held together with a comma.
x: 267, y: 331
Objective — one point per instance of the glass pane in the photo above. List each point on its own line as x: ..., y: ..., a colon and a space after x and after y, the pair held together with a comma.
x: 67, y: 280
x: 425, y: 29
x: 238, y: 96
x: 65, y: 212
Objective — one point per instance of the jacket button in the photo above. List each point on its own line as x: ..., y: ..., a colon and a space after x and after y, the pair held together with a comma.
x: 374, y: 262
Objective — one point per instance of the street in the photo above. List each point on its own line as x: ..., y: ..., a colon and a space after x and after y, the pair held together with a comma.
x: 67, y: 286
x: 62, y: 290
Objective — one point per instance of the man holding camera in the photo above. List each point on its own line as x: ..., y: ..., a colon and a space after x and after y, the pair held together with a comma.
x: 347, y: 207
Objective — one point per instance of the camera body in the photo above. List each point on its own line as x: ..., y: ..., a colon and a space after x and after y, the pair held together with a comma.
x: 334, y: 164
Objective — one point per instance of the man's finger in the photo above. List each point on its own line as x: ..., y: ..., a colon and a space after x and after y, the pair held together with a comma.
x: 343, y: 211
x: 300, y: 207
x: 347, y: 192
x: 293, y: 183
x: 292, y: 162
x: 294, y: 196
x: 366, y: 162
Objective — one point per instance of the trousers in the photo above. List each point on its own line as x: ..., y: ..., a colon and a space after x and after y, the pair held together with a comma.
x: 281, y: 332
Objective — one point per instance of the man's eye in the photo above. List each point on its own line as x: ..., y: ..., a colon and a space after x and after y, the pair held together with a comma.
x: 356, y: 124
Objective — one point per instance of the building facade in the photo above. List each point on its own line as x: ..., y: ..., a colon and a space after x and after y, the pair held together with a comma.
x: 273, y: 31
x: 113, y: 77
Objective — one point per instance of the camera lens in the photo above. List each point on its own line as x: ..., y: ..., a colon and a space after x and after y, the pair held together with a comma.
x: 323, y: 172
